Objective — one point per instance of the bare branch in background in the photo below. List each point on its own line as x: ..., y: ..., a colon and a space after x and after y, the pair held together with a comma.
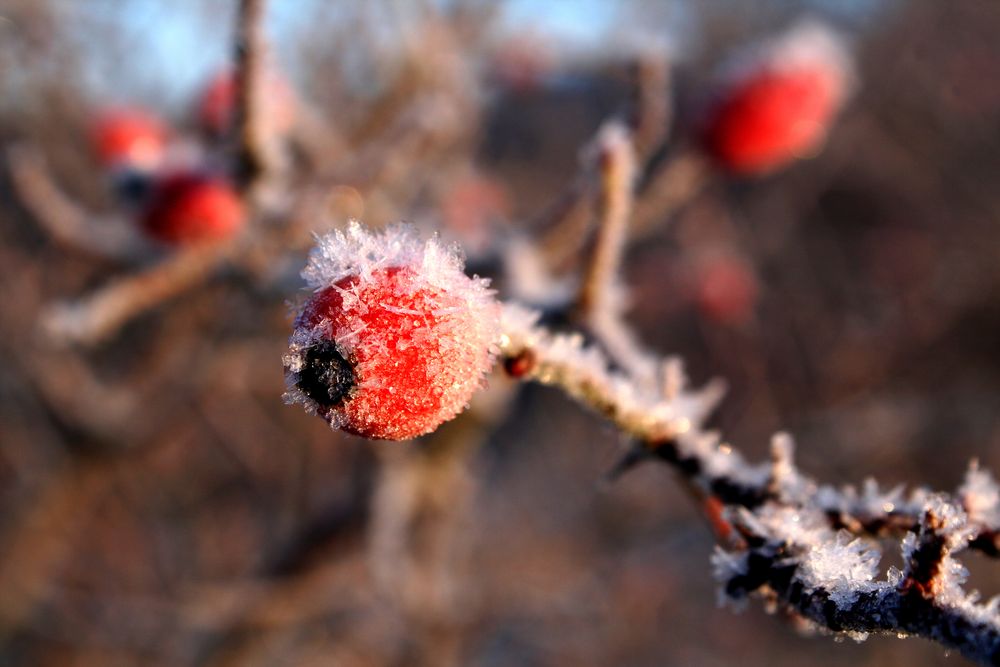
x: 95, y: 317
x: 65, y: 220
x: 652, y: 111
x: 259, y: 151
x: 617, y: 173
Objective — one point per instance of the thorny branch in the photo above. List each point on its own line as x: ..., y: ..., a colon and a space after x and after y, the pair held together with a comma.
x: 789, y: 546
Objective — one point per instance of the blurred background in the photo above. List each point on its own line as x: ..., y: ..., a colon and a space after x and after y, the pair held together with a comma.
x: 159, y: 505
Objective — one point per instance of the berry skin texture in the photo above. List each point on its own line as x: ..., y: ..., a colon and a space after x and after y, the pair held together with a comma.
x: 396, y: 338
x: 129, y: 138
x: 188, y: 208
x: 780, y: 108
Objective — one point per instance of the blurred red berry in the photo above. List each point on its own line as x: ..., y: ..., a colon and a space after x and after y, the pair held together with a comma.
x: 129, y: 138
x: 781, y: 105
x: 397, y: 338
x: 217, y: 104
x: 726, y: 289
x: 192, y: 208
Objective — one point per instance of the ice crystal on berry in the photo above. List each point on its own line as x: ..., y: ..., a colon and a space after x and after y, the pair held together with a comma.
x: 404, y: 335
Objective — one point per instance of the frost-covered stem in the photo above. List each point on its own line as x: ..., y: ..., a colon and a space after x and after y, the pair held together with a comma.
x: 617, y: 173
x: 94, y: 317
x: 813, y: 574
x: 533, y: 353
x: 786, y: 541
x: 258, y: 152
x: 65, y: 220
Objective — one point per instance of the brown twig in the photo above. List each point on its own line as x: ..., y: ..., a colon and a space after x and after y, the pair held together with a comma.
x: 93, y: 318
x: 652, y: 104
x: 617, y: 174
x: 259, y: 152
x: 65, y: 220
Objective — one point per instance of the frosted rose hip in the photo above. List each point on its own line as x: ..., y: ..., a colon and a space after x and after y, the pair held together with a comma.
x: 780, y: 105
x: 395, y: 340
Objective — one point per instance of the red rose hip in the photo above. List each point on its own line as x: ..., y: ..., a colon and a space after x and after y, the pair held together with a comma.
x: 191, y: 207
x: 128, y: 138
x: 396, y: 338
x: 780, y: 105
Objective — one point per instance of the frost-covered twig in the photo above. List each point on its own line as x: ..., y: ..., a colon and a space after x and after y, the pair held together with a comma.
x: 617, y: 173
x: 808, y: 546
x: 600, y: 302
x: 831, y: 579
x: 533, y: 353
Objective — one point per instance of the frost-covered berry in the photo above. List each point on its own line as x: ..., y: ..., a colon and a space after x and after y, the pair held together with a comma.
x: 396, y: 337
x: 128, y: 138
x: 779, y: 104
x: 191, y: 207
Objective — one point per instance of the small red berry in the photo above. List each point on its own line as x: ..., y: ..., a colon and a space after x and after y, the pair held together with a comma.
x: 396, y: 338
x: 781, y: 104
x: 129, y: 138
x: 191, y: 207
x: 726, y: 289
x: 217, y: 105
x: 522, y: 364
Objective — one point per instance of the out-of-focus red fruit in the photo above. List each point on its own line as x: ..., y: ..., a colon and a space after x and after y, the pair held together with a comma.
x: 780, y: 105
x: 129, y: 138
x: 726, y: 289
x: 217, y: 105
x: 193, y: 208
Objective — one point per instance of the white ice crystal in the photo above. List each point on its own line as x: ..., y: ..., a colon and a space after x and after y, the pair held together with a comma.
x: 584, y: 372
x: 980, y: 496
x: 359, y: 251
x: 809, y: 43
x: 414, y: 335
x: 845, y: 567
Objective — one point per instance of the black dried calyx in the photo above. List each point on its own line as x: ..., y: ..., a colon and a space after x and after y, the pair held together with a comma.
x: 326, y: 377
